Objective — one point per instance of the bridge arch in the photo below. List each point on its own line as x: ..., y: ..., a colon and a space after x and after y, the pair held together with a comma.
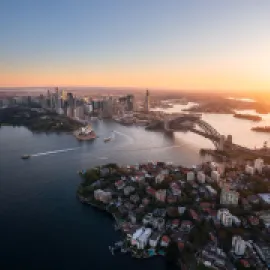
x: 206, y: 130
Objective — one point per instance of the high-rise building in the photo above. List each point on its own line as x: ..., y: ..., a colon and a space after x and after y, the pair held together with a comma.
x: 79, y: 112
x: 70, y: 105
x: 58, y: 102
x: 225, y: 217
x: 146, y: 102
x: 49, y: 105
x: 238, y: 245
x: 130, y: 102
x: 229, y: 197
x: 107, y: 109
x: 43, y: 101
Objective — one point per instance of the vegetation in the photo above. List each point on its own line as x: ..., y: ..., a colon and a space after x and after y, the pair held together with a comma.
x: 37, y: 119
x: 172, y: 254
x: 248, y: 117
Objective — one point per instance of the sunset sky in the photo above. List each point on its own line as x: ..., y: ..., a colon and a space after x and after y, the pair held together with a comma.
x: 174, y: 44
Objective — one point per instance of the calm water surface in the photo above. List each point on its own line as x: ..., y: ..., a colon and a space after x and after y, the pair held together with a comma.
x: 226, y: 124
x: 42, y: 225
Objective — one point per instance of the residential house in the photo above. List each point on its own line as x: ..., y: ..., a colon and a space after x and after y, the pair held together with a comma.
x: 160, y: 178
x: 190, y: 176
x: 154, y: 238
x: 151, y: 191
x: 215, y: 176
x: 148, y: 219
x: 201, y: 177
x: 165, y: 241
x: 120, y: 184
x: 128, y: 190
x: 103, y: 196
x: 186, y: 226
x: 159, y: 223
x: 229, y: 197
x: 142, y: 240
x: 161, y: 195
x: 134, y: 198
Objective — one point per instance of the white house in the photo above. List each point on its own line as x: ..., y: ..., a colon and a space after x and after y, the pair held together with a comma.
x: 142, y: 241
x: 229, y: 197
x: 201, y: 177
x: 190, y: 176
x: 160, y: 178
x: 225, y: 217
x: 258, y: 165
x: 238, y: 245
x: 249, y: 170
x: 136, y: 236
x: 153, y: 240
x: 215, y: 176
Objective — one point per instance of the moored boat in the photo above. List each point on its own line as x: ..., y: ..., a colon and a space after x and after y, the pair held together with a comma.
x: 25, y: 156
x: 107, y: 139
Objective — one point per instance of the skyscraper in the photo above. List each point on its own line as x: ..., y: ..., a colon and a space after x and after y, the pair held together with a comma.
x: 70, y: 105
x: 146, y: 102
x: 107, y: 108
x: 130, y: 102
x: 58, y: 103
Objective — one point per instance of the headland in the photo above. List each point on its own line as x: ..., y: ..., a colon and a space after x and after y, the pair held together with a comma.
x: 184, y: 214
x: 37, y: 119
x: 251, y: 117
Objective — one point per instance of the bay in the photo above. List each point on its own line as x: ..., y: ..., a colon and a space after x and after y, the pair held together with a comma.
x: 42, y: 224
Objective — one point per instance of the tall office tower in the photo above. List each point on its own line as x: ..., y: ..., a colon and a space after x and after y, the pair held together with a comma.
x: 43, y: 101
x: 70, y: 105
x: 146, y: 102
x: 130, y: 102
x: 79, y: 111
x: 48, y: 99
x: 107, y: 109
x: 57, y: 101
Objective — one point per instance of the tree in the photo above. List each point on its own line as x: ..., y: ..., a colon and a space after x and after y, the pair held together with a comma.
x: 173, y: 253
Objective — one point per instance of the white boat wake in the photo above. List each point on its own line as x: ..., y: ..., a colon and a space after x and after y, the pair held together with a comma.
x: 54, y: 152
x: 130, y: 139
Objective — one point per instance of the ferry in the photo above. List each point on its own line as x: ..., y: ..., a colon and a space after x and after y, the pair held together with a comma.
x: 107, y: 139
x: 25, y: 156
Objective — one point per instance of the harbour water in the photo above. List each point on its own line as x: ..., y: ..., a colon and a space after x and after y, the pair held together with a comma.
x: 43, y: 225
x: 226, y: 124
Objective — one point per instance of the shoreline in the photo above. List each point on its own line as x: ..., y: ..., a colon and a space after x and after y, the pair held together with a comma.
x: 118, y: 223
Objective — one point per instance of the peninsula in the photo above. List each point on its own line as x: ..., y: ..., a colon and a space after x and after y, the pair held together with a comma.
x: 262, y: 129
x: 37, y: 119
x: 251, y: 117
x: 192, y: 216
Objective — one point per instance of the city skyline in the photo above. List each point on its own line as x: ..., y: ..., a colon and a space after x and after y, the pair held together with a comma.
x: 199, y: 45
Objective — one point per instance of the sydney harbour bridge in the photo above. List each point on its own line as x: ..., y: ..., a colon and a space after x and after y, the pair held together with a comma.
x: 194, y: 123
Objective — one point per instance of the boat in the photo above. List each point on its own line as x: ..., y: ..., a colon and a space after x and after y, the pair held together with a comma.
x: 107, y: 139
x: 111, y: 250
x: 25, y: 156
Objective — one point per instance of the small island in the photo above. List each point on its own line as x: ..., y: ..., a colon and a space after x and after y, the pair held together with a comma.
x: 251, y: 117
x: 37, y: 119
x: 265, y: 129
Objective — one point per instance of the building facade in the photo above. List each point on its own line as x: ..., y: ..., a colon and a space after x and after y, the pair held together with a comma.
x: 229, y: 197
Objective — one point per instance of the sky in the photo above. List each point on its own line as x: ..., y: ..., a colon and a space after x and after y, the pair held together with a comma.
x: 215, y: 45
